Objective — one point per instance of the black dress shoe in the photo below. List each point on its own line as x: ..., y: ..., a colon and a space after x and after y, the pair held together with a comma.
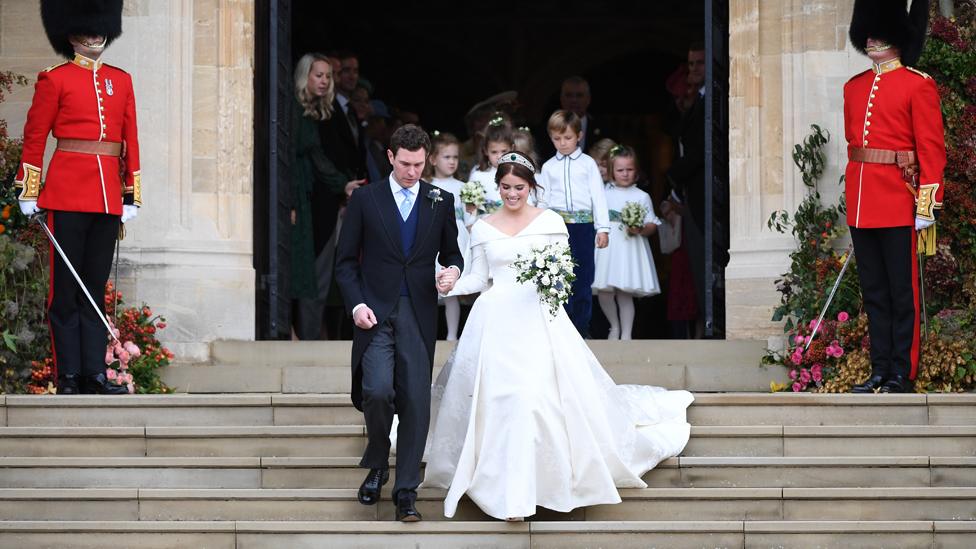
x: 898, y: 384
x: 98, y: 384
x: 406, y: 506
x: 369, y: 490
x: 872, y: 385
x: 68, y: 385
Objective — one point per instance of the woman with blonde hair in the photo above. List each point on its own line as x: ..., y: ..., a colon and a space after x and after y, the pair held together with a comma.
x: 317, y: 189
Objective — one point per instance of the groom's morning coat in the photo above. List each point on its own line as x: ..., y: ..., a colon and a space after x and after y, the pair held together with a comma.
x: 371, y: 266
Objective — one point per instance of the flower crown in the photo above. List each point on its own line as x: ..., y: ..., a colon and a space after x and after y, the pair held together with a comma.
x: 497, y: 121
x: 516, y: 157
x: 616, y: 149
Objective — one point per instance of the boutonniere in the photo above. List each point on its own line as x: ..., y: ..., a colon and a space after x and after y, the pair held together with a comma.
x: 435, y: 196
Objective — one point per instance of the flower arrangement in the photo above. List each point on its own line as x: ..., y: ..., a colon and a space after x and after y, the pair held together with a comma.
x: 550, y: 268
x: 632, y: 216
x: 473, y: 192
x: 138, y: 355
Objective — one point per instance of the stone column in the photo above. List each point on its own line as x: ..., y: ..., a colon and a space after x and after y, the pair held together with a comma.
x: 189, y: 252
x: 789, y: 62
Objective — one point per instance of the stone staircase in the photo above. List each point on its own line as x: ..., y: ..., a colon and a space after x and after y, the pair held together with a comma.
x: 263, y: 470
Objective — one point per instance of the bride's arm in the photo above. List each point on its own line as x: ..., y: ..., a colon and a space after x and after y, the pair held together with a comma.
x: 475, y: 277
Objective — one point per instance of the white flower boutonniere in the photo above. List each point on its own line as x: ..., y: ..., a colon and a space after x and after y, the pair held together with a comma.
x: 435, y: 196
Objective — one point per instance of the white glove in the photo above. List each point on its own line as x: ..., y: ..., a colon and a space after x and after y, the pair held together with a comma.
x: 28, y: 207
x: 129, y: 212
x: 921, y: 224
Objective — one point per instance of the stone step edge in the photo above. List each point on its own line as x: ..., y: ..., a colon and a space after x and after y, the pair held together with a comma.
x: 353, y: 462
x: 288, y: 431
x: 349, y: 494
x: 343, y: 400
x: 496, y: 527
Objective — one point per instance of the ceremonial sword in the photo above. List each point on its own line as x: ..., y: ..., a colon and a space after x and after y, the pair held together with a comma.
x: 850, y: 254
x: 64, y: 257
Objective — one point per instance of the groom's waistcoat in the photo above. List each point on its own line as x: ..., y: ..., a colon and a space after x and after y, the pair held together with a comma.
x: 408, y: 233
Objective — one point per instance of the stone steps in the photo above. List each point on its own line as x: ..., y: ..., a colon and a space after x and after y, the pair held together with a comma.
x: 336, y: 409
x: 350, y: 440
x: 195, y: 504
x: 323, y: 366
x: 254, y: 470
x: 501, y: 535
x: 277, y: 472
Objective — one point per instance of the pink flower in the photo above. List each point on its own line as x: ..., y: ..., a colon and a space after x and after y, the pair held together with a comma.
x: 126, y: 377
x: 109, y: 356
x: 797, y: 387
x: 111, y: 374
x: 131, y: 348
x: 131, y: 388
x: 124, y: 357
x: 793, y: 375
x: 804, y: 376
x: 843, y: 316
x: 816, y: 372
x: 839, y: 351
x: 813, y: 324
x: 799, y: 340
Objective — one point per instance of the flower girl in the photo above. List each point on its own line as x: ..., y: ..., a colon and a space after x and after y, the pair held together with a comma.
x: 625, y: 268
x: 497, y: 141
x: 441, y: 166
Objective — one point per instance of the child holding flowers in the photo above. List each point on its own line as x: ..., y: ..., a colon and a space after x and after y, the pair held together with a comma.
x: 625, y: 268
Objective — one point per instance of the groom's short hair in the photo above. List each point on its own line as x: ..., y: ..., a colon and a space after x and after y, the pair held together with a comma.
x: 411, y: 137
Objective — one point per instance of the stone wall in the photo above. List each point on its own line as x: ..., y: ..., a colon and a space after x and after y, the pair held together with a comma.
x: 188, y: 254
x: 789, y: 62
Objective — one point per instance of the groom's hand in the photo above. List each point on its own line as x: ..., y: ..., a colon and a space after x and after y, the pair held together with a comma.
x: 364, y: 318
x: 446, y: 279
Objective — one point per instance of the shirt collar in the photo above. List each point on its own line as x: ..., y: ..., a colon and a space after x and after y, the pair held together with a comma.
x: 572, y: 156
x: 397, y: 189
x: 343, y: 100
x: 887, y: 66
x: 86, y: 63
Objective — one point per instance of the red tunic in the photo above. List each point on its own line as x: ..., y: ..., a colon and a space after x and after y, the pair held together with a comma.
x: 88, y: 100
x: 894, y: 110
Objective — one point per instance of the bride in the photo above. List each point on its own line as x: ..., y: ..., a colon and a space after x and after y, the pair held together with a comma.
x: 523, y: 415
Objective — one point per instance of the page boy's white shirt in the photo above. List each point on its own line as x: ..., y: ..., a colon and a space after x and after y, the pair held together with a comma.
x: 573, y: 183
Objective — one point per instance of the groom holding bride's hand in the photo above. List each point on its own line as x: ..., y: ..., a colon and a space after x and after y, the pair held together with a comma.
x: 391, y: 234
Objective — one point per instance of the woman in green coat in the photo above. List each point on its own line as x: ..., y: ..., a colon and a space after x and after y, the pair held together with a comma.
x: 317, y: 189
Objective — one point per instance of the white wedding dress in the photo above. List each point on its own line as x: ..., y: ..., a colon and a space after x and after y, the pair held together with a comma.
x: 523, y: 415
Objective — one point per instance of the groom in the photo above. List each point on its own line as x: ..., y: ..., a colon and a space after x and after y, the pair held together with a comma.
x: 391, y: 233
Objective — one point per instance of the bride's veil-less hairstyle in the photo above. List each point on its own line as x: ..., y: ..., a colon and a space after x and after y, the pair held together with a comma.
x: 317, y: 108
x: 520, y: 166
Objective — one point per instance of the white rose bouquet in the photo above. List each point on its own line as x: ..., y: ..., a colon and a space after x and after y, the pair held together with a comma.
x: 550, y: 268
x: 632, y: 215
x: 473, y: 193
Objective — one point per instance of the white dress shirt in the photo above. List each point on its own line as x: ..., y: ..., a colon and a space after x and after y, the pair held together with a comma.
x: 572, y: 184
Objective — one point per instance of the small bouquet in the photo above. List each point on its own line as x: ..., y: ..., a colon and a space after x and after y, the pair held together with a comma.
x: 473, y: 192
x: 632, y: 215
x: 550, y: 268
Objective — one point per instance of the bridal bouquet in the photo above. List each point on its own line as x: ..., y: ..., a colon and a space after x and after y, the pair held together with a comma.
x: 632, y: 215
x: 473, y: 193
x: 550, y: 268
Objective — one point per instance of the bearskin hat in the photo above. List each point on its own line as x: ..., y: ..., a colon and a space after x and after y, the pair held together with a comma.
x: 63, y: 18
x: 887, y: 20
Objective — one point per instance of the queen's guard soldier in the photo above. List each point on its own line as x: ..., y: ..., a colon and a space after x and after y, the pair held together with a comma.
x: 91, y: 183
x: 896, y: 153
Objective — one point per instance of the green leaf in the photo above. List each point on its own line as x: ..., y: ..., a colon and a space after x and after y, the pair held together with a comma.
x: 10, y: 340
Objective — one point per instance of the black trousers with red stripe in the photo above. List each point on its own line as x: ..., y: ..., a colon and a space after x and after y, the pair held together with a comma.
x: 888, y: 269
x: 78, y: 336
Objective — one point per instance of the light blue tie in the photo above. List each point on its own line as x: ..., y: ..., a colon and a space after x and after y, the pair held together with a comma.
x: 406, y: 204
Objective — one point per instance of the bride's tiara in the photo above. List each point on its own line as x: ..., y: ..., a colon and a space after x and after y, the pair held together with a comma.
x: 516, y: 158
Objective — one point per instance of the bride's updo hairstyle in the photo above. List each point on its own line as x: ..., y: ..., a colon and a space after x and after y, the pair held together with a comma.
x: 519, y: 165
